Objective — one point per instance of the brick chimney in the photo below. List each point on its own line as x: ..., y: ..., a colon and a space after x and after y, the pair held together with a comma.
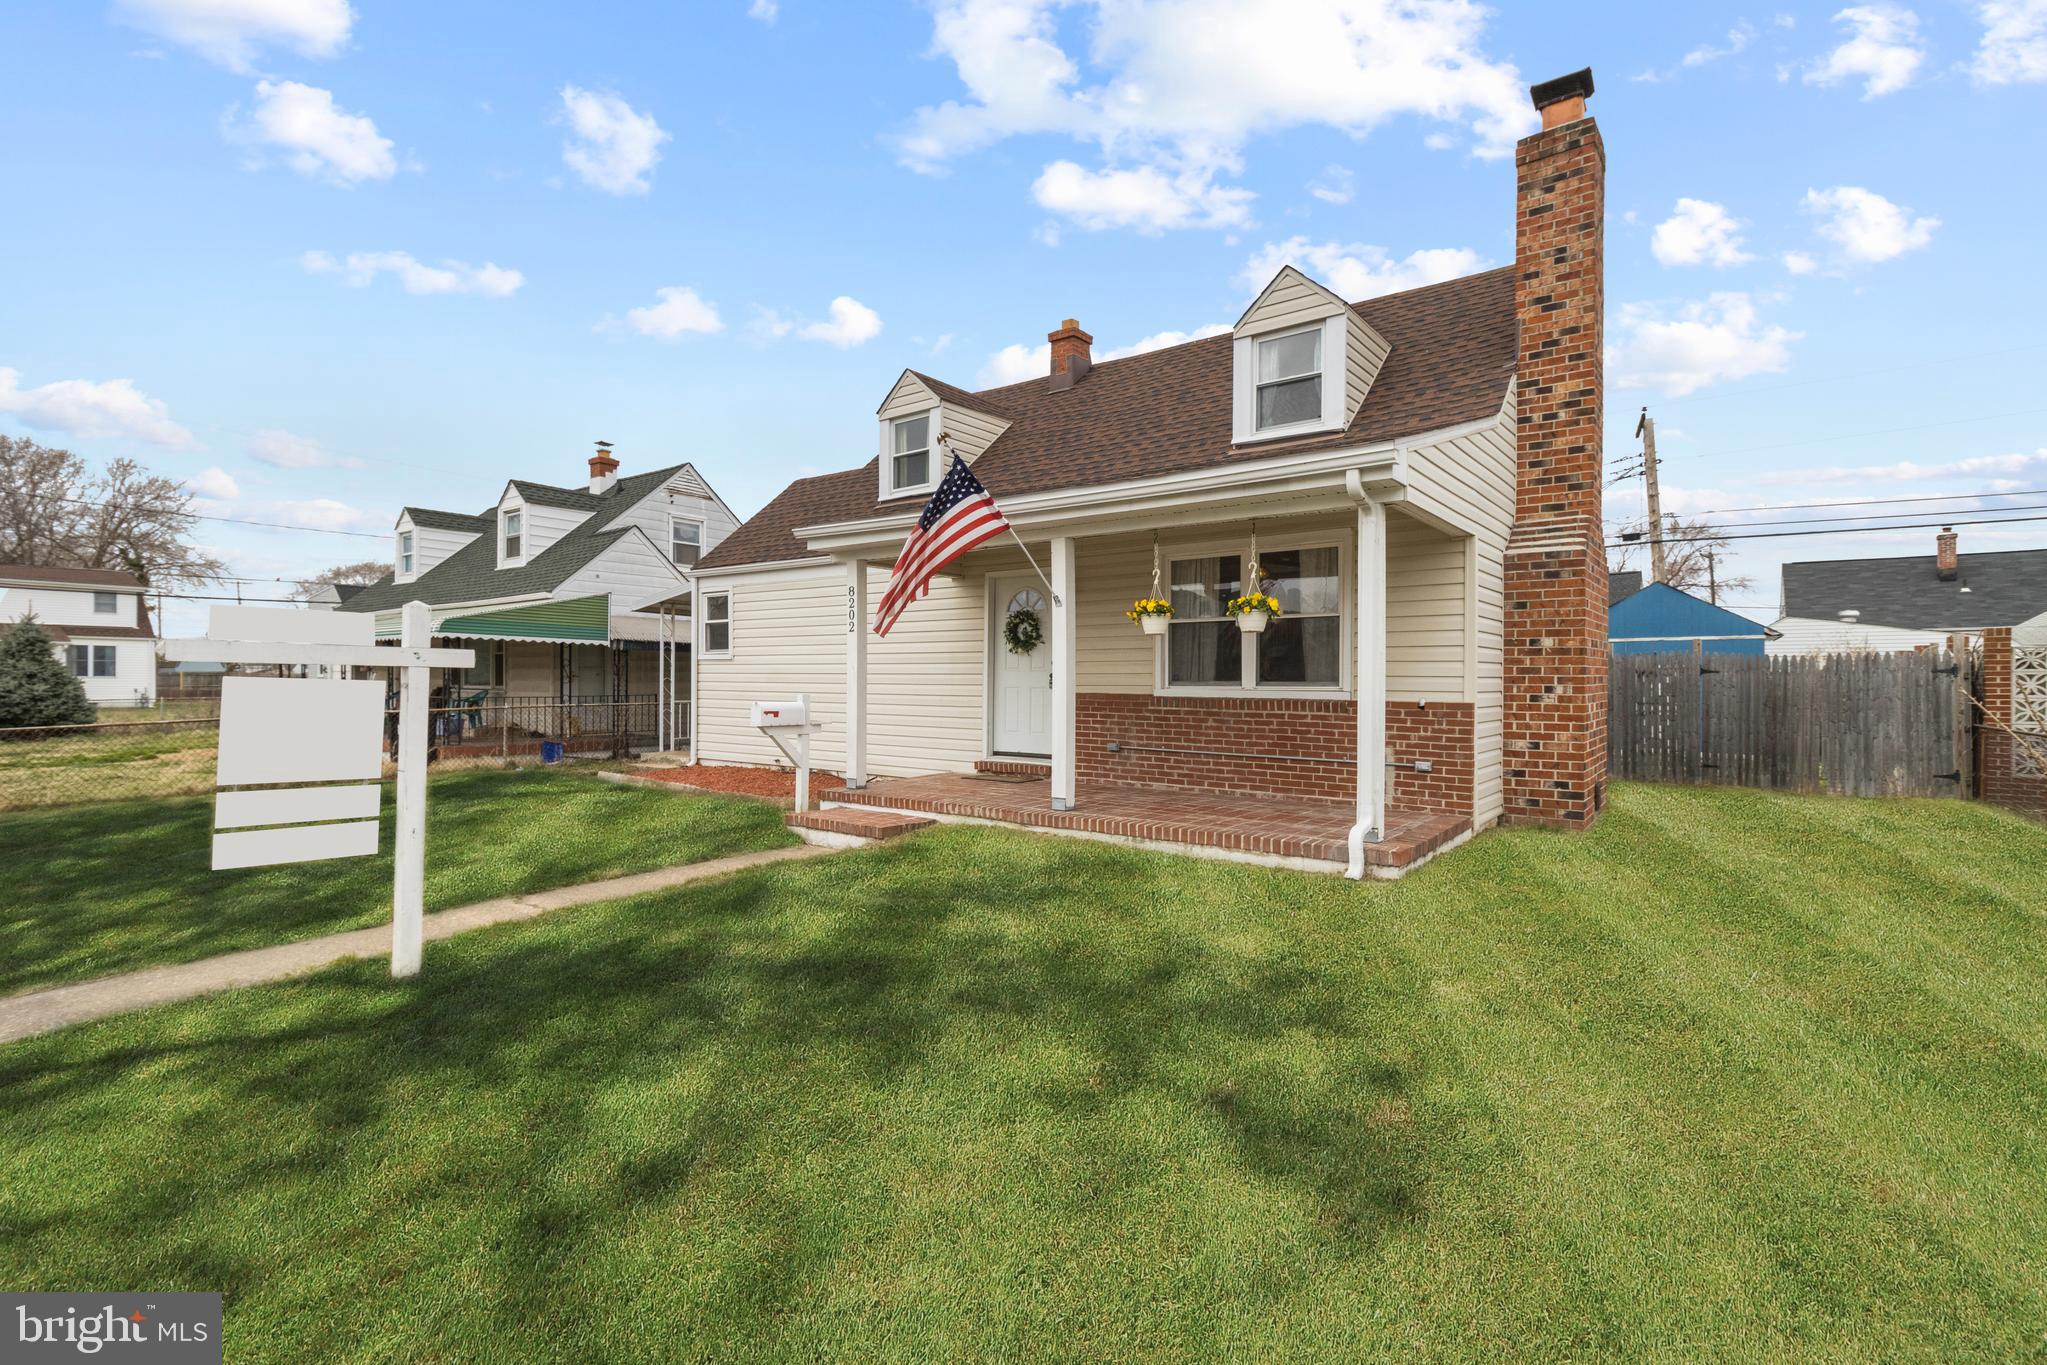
x: 603, y: 469
x: 1071, y: 358
x: 1946, y: 562
x: 1556, y: 649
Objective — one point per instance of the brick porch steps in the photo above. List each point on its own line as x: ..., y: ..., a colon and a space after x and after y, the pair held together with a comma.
x: 860, y: 824
x: 1308, y: 830
x: 1012, y: 767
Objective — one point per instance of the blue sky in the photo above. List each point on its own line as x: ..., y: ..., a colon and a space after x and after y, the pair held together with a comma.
x: 322, y: 259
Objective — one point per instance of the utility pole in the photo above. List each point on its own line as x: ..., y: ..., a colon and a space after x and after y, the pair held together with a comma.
x: 1712, y: 579
x: 1646, y: 429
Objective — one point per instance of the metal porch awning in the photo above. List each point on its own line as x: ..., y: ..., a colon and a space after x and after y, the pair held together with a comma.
x: 575, y: 620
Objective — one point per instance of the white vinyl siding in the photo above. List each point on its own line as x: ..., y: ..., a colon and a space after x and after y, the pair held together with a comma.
x: 543, y: 526
x: 634, y: 569
x: 1364, y: 352
x: 430, y: 547
x: 971, y: 432
x: 1290, y: 300
x: 1805, y: 635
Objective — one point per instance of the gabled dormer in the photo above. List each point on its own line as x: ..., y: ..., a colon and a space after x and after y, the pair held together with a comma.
x: 1303, y: 361
x: 512, y: 538
x: 923, y: 424
x: 531, y: 517
x: 425, y: 537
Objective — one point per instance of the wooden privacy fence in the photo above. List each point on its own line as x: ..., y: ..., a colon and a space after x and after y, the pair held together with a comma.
x: 1849, y: 724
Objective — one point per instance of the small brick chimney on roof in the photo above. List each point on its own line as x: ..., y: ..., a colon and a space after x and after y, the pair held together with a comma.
x: 1556, y: 655
x: 603, y: 469
x: 1071, y: 356
x: 1946, y: 561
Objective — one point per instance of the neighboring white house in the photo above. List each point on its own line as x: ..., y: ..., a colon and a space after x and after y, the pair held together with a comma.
x: 1905, y: 602
x: 99, y: 621
x: 569, y: 595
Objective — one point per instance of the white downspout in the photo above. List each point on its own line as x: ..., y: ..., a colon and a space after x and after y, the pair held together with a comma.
x: 1370, y: 613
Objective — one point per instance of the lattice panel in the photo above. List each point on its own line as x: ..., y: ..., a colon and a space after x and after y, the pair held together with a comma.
x: 2029, y: 704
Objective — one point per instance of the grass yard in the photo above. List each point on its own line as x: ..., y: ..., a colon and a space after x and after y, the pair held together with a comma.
x: 1733, y: 1076
x: 90, y: 890
x: 122, y: 760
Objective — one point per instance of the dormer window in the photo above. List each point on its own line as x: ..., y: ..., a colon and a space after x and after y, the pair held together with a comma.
x: 513, y: 537
x: 910, y: 460
x: 1289, y: 392
x: 405, y: 552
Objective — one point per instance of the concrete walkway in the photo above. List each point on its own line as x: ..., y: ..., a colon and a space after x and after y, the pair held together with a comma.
x: 44, y: 1011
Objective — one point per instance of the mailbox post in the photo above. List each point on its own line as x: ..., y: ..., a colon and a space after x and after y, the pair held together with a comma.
x: 787, y: 723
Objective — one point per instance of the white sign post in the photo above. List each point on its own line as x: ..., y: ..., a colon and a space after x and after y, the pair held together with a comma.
x: 276, y: 730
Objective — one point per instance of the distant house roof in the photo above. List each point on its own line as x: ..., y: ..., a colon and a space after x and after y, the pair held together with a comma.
x: 61, y: 634
x: 472, y: 574
x: 1999, y: 588
x: 1169, y: 410
x: 84, y: 578
x: 344, y: 591
x: 1621, y: 586
x: 1661, y: 612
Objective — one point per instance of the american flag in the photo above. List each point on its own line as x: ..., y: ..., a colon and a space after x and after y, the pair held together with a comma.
x: 959, y: 516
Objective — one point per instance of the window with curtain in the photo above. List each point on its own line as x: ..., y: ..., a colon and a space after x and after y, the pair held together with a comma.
x: 1203, y: 645
x: 685, y: 540
x: 1290, y: 379
x: 405, y: 552
x: 514, y: 534
x: 910, y: 463
x: 105, y: 603
x: 1304, y: 646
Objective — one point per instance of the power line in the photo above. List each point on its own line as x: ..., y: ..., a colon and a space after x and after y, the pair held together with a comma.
x: 1866, y: 516
x: 1847, y: 530
x: 237, y: 521
x: 1876, y: 502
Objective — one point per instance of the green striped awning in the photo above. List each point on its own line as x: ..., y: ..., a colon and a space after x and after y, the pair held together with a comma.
x: 579, y: 620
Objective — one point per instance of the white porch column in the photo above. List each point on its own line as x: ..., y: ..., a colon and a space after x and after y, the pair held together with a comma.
x: 1371, y: 684
x: 856, y: 674
x: 1065, y: 641
x: 408, y: 854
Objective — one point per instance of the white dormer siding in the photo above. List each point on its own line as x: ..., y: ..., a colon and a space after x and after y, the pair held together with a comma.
x: 540, y: 526
x: 429, y: 546
x: 1292, y: 319
x: 967, y: 433
x: 681, y: 497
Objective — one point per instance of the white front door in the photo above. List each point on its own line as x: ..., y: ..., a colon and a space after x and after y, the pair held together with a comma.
x: 1022, y: 689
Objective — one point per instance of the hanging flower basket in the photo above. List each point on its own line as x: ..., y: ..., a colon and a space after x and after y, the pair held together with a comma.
x: 1252, y: 611
x: 1152, y: 613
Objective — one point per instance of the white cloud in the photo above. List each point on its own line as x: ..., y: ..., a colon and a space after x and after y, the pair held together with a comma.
x: 87, y: 408
x: 215, y: 483
x: 361, y: 268
x: 1978, y: 466
x: 328, y: 514
x: 1866, y: 226
x: 1800, y: 262
x: 1699, y: 233
x: 232, y: 32
x: 2014, y: 44
x: 1702, y: 342
x: 613, y: 146
x: 1357, y: 270
x: 284, y: 450
x: 1157, y: 341
x: 1336, y: 185
x: 1015, y: 364
x: 1738, y: 39
x: 852, y: 322
x: 763, y: 10
x: 679, y: 310
x: 1883, y: 50
x: 1172, y: 90
x: 1145, y: 198
x: 316, y: 137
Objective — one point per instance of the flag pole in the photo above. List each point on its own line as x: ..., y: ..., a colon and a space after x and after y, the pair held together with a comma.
x: 945, y: 440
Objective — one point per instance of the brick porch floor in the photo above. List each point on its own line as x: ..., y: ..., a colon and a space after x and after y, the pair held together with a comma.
x: 1315, y: 831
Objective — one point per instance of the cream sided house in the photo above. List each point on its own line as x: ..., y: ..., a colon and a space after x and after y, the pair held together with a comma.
x: 1416, y: 478
x: 575, y: 598
x: 99, y: 622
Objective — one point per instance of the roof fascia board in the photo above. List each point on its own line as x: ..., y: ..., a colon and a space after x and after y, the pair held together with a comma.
x: 764, y: 565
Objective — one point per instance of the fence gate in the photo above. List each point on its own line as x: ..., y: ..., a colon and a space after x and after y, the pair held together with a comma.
x: 1848, y: 724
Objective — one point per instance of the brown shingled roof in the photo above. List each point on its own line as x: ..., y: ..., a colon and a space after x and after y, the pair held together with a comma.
x: 45, y: 573
x: 1167, y: 411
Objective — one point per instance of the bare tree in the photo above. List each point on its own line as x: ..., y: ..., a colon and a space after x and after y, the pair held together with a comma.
x: 363, y: 572
x: 1693, y: 551
x: 56, y: 512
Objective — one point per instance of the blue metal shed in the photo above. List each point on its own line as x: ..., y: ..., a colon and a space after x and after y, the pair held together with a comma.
x: 1658, y: 619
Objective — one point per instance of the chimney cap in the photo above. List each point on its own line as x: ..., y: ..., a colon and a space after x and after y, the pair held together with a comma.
x: 1578, y: 84
x: 604, y: 445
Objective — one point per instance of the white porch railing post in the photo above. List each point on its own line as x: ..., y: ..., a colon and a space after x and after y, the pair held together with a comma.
x: 408, y: 881
x: 1064, y: 694
x: 856, y: 674
x: 1371, y: 685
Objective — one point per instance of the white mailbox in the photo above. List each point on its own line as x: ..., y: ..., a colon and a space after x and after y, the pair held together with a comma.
x: 781, y: 715
x: 787, y: 723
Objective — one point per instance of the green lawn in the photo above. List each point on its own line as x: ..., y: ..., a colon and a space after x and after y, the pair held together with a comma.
x: 91, y: 890
x: 1733, y: 1076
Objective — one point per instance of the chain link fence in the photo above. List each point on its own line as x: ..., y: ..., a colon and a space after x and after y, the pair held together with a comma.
x: 169, y: 749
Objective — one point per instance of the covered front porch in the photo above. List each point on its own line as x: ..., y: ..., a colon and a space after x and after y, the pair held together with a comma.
x: 1350, y: 734
x: 1301, y: 832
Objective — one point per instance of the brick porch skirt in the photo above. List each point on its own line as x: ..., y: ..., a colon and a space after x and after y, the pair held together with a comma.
x: 1259, y: 747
